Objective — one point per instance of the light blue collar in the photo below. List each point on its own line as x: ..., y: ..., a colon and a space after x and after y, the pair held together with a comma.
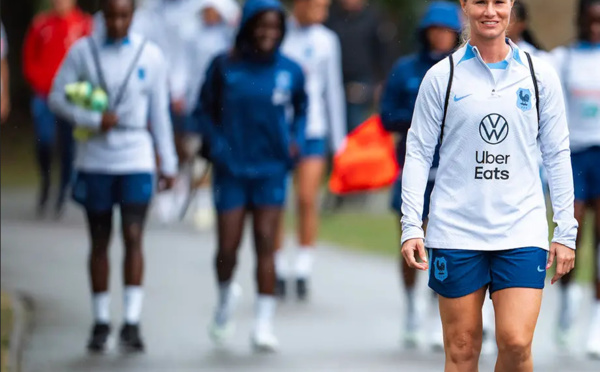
x: 123, y: 41
x: 471, y: 53
x: 586, y: 45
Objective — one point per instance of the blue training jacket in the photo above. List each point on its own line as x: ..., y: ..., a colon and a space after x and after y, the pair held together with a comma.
x: 252, y: 110
x: 402, y: 86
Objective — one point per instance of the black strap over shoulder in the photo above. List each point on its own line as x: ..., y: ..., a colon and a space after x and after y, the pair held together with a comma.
x: 123, y: 87
x: 450, y: 78
x: 535, y: 85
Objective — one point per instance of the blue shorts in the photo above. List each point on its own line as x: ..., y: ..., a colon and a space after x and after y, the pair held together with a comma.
x: 586, y: 173
x: 98, y: 192
x: 184, y: 123
x: 456, y: 273
x: 315, y: 147
x: 397, y: 197
x: 231, y: 192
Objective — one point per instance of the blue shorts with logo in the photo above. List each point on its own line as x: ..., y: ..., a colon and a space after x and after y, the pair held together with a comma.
x: 456, y: 273
x: 98, y: 192
x: 397, y: 197
x: 314, y: 147
x: 232, y: 192
x: 586, y: 173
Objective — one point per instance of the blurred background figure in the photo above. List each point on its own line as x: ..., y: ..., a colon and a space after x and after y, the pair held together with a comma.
x: 48, y: 39
x: 4, y: 77
x: 116, y: 162
x: 253, y: 116
x: 317, y: 50
x: 210, y: 33
x: 577, y: 65
x: 438, y: 35
x: 519, y: 31
x: 365, y: 59
x: 163, y: 22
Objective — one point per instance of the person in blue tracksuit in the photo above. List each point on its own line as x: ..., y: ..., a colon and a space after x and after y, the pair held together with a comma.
x: 252, y: 113
x: 439, y: 34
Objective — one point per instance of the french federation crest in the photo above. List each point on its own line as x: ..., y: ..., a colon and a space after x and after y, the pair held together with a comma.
x: 440, y: 268
x: 524, y: 99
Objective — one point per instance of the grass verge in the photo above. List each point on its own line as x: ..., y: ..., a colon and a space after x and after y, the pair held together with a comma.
x: 6, y: 318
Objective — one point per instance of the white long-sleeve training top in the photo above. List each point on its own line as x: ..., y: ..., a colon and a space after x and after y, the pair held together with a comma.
x: 488, y: 193
x: 577, y: 66
x: 146, y: 101
x: 162, y: 22
x: 204, y: 42
x: 317, y: 50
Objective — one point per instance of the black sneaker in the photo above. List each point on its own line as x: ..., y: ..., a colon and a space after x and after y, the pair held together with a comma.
x: 280, y: 290
x: 99, y: 338
x: 130, y: 339
x: 302, y: 288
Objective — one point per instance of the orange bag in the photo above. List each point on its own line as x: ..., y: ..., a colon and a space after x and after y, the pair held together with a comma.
x: 367, y: 161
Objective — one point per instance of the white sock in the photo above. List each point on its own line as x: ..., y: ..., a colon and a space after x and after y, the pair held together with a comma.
x: 265, y: 311
x: 101, y: 307
x: 221, y: 313
x: 411, y: 310
x: 133, y: 298
x: 304, y: 261
x: 281, y: 264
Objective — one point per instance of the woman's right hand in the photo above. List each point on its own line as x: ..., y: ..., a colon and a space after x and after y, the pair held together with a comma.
x: 109, y: 120
x: 410, y: 248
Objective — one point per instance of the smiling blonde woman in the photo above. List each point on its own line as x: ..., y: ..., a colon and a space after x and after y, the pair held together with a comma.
x: 490, y: 105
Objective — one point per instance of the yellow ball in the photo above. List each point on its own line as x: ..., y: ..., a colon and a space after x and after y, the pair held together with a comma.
x: 82, y: 134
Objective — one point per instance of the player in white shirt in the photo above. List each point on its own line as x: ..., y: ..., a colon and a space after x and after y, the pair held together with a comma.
x: 577, y: 65
x: 519, y: 31
x: 489, y: 104
x: 116, y: 164
x: 317, y: 50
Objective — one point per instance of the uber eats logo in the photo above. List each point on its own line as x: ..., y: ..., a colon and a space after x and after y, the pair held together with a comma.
x: 493, y: 129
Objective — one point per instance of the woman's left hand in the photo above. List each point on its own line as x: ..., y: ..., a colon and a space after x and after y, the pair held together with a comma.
x: 565, y: 260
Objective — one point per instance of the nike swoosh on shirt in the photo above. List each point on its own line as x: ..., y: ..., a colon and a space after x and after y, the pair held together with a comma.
x: 456, y: 99
x: 541, y: 270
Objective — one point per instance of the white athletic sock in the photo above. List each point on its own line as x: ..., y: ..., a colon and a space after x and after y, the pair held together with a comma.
x: 411, y: 310
x: 281, y: 264
x: 304, y: 261
x: 221, y: 313
x: 265, y: 311
x: 133, y: 299
x: 101, y: 307
x: 570, y: 298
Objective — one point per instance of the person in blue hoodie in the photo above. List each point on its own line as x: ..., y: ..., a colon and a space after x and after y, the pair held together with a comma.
x: 252, y: 114
x: 439, y: 34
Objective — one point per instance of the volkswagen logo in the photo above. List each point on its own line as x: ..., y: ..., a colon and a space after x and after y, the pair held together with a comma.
x: 493, y: 129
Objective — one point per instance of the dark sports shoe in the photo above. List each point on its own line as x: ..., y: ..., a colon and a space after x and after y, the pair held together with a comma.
x: 280, y: 290
x: 130, y: 339
x: 302, y: 288
x: 99, y: 338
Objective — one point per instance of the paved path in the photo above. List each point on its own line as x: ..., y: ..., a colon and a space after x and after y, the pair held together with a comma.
x: 352, y: 322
